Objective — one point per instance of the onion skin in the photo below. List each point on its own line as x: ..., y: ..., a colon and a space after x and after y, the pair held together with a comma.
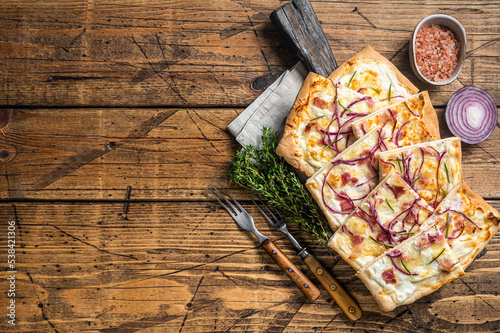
x: 457, y: 117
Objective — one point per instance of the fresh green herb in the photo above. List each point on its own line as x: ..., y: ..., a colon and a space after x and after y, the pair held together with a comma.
x: 403, y: 233
x: 444, y: 193
x: 317, y: 118
x: 447, y: 223
x: 390, y: 88
x: 375, y: 90
x: 345, y: 107
x: 402, y: 262
x: 388, y: 204
x: 270, y: 177
x: 440, y: 253
x: 376, y: 241
x: 447, y: 176
x: 334, y: 142
x: 400, y: 169
x: 352, y: 77
x: 413, y: 182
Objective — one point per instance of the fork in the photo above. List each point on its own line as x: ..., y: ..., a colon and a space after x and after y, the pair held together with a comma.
x: 245, y: 221
x: 345, y: 302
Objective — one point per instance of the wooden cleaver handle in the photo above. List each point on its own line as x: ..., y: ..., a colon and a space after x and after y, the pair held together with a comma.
x: 299, y: 25
x: 345, y: 302
x: 305, y: 285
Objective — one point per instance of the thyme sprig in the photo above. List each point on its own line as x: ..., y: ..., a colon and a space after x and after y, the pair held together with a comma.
x: 268, y: 176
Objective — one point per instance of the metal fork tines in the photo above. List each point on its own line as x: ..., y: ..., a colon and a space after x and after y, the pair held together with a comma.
x: 245, y: 221
x: 241, y: 216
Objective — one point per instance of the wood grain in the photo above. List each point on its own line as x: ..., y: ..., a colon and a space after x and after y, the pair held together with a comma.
x: 163, y: 154
x: 205, y: 53
x: 187, y: 267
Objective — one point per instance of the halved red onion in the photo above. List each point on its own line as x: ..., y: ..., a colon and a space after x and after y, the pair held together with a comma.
x: 471, y: 114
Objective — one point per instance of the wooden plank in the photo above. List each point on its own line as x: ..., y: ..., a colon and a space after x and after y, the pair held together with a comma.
x: 163, y: 154
x: 205, y: 53
x: 186, y: 267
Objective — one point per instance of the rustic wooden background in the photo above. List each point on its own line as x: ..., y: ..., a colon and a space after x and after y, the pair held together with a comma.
x: 113, y: 119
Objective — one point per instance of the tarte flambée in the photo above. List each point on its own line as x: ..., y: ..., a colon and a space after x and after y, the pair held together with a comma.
x: 389, y: 215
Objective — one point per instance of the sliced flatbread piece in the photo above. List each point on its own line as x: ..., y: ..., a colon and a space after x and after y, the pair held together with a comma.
x: 402, y: 113
x: 411, y: 270
x: 389, y: 215
x: 370, y: 73
x: 466, y: 221
x: 431, y: 168
x: 318, y: 126
x: 340, y: 185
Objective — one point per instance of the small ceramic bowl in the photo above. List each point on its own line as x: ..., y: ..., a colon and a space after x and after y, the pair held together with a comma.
x: 458, y: 30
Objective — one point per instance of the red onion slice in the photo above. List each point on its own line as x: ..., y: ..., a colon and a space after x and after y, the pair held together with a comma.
x: 471, y: 114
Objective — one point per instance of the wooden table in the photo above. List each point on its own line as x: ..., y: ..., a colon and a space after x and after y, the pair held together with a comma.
x: 114, y: 119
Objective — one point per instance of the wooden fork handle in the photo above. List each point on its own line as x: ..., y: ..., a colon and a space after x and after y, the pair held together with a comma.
x: 305, y: 285
x: 345, y: 302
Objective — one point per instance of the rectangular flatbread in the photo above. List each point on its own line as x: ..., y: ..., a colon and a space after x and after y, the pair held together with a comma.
x: 368, y: 72
x: 318, y: 126
x: 431, y: 168
x: 339, y: 186
x: 388, y: 216
x: 466, y: 221
x: 411, y: 270
x: 401, y: 113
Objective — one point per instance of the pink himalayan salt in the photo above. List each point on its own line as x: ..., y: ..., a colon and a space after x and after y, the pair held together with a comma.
x: 436, y: 51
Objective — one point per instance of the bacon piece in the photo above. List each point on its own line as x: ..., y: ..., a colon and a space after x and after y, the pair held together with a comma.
x: 399, y: 190
x: 354, y: 180
x: 389, y: 276
x: 308, y: 128
x: 345, y: 205
x: 357, y: 239
x: 382, y: 237
x: 446, y: 265
x: 319, y: 102
x: 432, y: 239
x: 346, y: 178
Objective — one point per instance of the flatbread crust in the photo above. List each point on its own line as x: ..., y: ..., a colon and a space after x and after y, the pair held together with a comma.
x: 407, y: 211
x: 427, y: 179
x: 417, y: 286
x: 400, y: 84
x: 408, y: 128
x: 467, y: 202
x: 318, y: 119
x: 288, y: 147
x: 419, y: 104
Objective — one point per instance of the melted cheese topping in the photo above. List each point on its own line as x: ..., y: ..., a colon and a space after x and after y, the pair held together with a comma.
x: 393, y: 134
x: 375, y: 78
x: 401, y: 216
x: 419, y: 260
x: 466, y: 246
x: 420, y: 162
x: 319, y: 121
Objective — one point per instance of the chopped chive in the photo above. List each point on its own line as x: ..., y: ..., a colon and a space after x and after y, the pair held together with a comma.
x: 444, y: 193
x: 447, y: 223
x: 390, y: 88
x: 317, y: 118
x: 413, y: 182
x: 376, y: 241
x: 345, y: 107
x: 375, y: 90
x: 388, y: 204
x: 447, y: 176
x: 402, y: 262
x: 352, y: 77
x: 334, y: 142
x: 403, y: 233
x: 440, y: 253
x: 401, y: 169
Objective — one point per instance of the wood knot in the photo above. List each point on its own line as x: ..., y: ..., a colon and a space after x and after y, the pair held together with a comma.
x: 7, y: 153
x: 260, y: 83
x: 5, y: 117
